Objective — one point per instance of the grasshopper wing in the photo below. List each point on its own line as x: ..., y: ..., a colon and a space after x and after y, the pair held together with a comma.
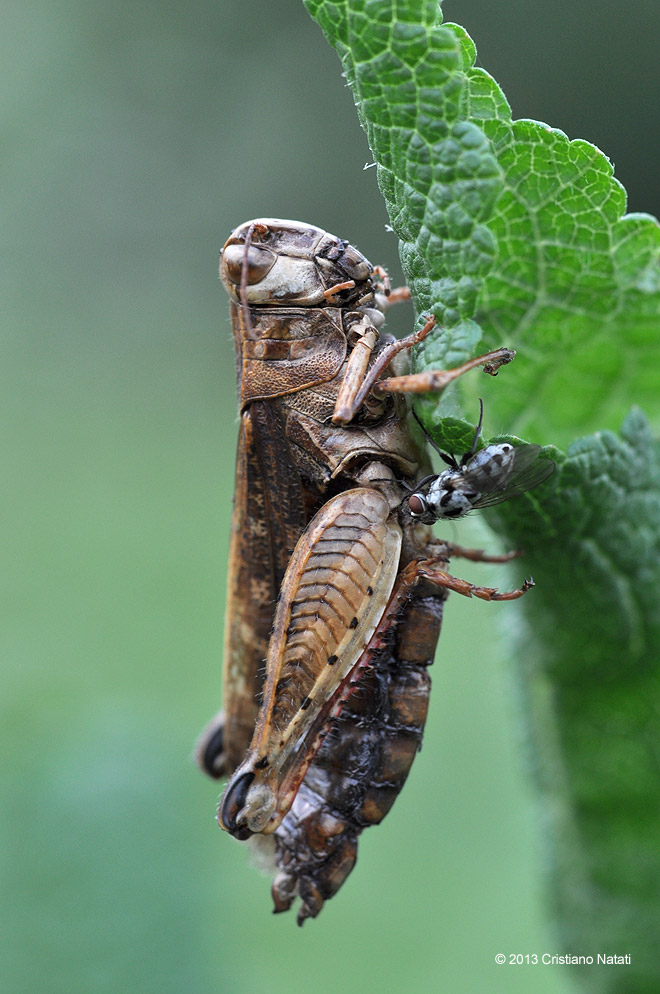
x: 334, y: 592
x: 264, y: 533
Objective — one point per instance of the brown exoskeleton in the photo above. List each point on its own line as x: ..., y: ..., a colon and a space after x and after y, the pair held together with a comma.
x: 334, y: 579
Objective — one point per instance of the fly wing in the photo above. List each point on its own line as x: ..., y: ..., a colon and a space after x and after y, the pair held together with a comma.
x: 528, y: 471
x: 334, y: 592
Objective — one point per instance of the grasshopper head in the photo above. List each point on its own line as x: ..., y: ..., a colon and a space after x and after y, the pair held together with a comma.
x: 284, y: 263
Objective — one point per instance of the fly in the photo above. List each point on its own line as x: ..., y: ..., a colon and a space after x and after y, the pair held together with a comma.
x: 482, y: 478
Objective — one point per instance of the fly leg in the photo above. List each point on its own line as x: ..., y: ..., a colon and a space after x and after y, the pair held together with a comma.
x: 400, y: 295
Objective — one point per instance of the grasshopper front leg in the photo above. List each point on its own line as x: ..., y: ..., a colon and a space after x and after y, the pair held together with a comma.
x: 358, y: 381
x: 441, y: 578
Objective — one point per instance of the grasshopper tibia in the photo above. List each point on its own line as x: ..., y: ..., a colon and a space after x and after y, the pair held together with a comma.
x: 437, y: 379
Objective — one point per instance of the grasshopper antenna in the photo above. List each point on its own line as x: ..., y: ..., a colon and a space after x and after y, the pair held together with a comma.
x: 244, y: 275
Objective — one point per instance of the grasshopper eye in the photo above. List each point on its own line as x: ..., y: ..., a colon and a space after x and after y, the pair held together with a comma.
x: 258, y: 262
x: 417, y: 505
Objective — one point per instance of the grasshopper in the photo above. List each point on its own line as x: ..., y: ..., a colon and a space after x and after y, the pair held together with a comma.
x: 336, y: 585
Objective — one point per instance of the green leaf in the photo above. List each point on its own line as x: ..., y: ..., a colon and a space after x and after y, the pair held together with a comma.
x: 590, y: 641
x: 576, y: 285
x: 454, y: 436
x: 597, y: 532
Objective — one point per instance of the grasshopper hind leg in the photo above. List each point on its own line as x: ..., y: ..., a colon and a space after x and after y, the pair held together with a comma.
x: 210, y: 754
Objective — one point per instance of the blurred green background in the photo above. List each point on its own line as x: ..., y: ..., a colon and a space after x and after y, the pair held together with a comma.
x: 135, y: 137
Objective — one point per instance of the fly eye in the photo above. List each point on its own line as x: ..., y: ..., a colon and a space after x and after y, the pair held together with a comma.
x: 257, y: 261
x: 416, y: 505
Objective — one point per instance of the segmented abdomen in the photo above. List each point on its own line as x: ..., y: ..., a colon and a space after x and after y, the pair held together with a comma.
x: 362, y: 765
